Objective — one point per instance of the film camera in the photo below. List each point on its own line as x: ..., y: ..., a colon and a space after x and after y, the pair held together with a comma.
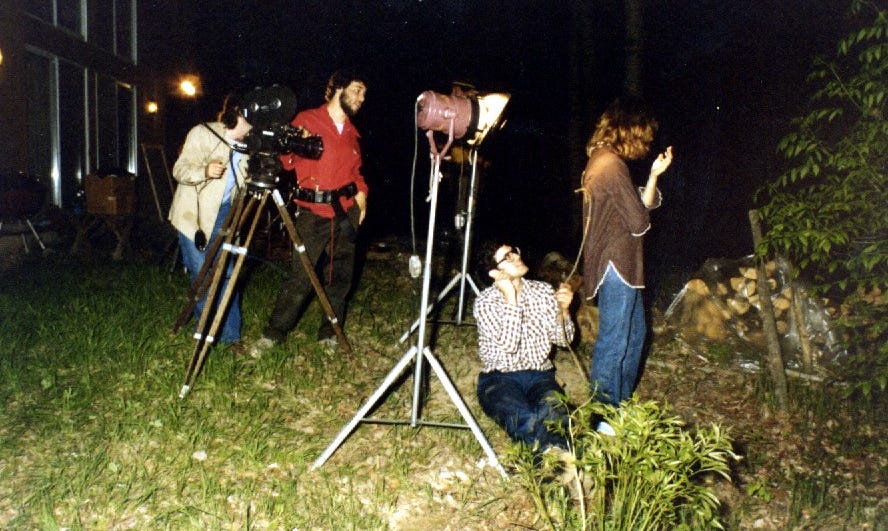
x: 269, y: 110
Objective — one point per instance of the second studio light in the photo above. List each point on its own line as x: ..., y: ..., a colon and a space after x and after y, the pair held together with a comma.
x: 473, y: 116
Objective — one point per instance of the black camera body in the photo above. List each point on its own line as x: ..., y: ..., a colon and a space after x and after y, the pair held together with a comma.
x: 277, y: 139
x: 268, y: 110
x: 266, y: 144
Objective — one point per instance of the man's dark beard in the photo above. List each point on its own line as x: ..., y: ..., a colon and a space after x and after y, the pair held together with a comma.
x: 346, y: 106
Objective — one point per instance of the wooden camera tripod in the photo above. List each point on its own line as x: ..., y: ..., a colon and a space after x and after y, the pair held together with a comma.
x: 244, y: 213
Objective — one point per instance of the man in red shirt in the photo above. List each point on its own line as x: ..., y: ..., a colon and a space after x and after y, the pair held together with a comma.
x: 331, y: 199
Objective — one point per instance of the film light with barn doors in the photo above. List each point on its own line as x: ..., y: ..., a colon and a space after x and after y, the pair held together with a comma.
x: 472, y: 118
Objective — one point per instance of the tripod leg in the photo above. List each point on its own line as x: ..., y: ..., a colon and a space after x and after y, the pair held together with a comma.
x: 36, y: 236
x: 206, y: 337
x: 467, y: 237
x: 392, y: 376
x: 309, y: 270
x: 464, y: 411
x: 441, y: 296
x: 201, y: 281
x: 175, y: 259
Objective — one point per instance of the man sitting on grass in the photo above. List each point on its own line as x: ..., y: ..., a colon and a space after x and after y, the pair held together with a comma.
x: 518, y: 322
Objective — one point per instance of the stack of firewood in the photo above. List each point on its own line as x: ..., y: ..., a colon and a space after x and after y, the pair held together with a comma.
x: 722, y: 302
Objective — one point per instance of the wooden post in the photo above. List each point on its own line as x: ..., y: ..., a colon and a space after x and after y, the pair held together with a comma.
x: 775, y: 357
x: 798, y: 314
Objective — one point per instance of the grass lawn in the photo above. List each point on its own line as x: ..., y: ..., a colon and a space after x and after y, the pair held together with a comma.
x: 93, y: 434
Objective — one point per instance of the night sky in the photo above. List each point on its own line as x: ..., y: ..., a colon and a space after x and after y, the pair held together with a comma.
x: 724, y: 77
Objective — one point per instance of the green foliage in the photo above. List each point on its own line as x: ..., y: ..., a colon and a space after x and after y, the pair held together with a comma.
x: 760, y: 490
x: 651, y: 475
x: 93, y: 435
x: 829, y: 211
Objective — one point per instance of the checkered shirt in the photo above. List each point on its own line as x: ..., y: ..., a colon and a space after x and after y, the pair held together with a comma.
x: 519, y: 337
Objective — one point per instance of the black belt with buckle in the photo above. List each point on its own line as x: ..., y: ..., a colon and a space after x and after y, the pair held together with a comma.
x: 326, y: 196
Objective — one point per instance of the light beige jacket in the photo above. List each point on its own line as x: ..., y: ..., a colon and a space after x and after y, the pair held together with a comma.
x: 201, y: 147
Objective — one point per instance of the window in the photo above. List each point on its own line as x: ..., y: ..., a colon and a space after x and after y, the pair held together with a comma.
x: 126, y: 128
x: 67, y: 14
x: 41, y: 9
x: 70, y: 15
x: 106, y: 113
x: 115, y: 111
x: 72, y: 130
x: 123, y: 15
x: 101, y: 30
x: 42, y: 133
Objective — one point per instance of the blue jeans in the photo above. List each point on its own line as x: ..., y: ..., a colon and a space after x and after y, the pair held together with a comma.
x: 194, y: 261
x: 524, y: 403
x: 621, y: 331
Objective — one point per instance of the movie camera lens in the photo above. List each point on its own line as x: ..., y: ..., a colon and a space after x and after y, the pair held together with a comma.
x: 291, y: 140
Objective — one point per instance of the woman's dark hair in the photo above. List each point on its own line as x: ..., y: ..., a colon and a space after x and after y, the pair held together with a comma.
x: 231, y: 109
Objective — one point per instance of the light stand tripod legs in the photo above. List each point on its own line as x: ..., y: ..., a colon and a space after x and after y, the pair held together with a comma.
x: 417, y: 354
x: 463, y: 410
x: 393, y: 375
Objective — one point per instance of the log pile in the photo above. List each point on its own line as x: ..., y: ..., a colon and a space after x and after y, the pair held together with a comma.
x: 721, y: 303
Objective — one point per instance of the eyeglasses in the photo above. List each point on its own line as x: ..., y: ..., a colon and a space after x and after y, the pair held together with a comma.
x: 512, y: 255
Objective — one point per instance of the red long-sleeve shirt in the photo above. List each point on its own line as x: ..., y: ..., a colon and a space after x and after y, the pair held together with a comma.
x: 338, y: 166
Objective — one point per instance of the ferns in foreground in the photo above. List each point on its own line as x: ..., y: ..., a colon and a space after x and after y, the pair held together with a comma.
x: 651, y: 475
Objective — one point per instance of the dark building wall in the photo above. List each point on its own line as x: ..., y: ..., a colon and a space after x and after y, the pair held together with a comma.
x: 20, y: 31
x: 13, y: 119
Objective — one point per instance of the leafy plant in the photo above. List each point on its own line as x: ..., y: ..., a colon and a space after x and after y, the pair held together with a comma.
x: 651, y: 475
x: 829, y: 211
x: 760, y: 490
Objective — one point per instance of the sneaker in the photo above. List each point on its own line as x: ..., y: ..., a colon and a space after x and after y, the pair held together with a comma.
x: 605, y: 429
x: 565, y: 471
x: 328, y: 343
x: 325, y: 332
x: 561, y: 455
x: 327, y: 337
x: 259, y: 346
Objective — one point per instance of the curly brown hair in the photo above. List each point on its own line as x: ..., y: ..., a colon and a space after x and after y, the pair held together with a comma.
x: 627, y: 128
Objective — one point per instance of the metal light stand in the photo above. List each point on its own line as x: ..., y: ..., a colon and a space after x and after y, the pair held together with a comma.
x: 228, y: 239
x: 419, y: 352
x: 462, y: 276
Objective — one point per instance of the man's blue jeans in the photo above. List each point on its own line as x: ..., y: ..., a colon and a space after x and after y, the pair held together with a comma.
x: 194, y: 260
x: 621, y: 331
x: 524, y: 403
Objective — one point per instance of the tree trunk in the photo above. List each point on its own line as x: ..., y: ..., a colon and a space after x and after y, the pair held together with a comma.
x: 634, y: 47
x: 582, y: 97
x: 775, y: 357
